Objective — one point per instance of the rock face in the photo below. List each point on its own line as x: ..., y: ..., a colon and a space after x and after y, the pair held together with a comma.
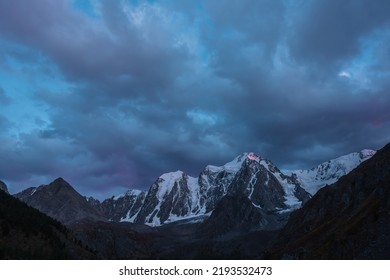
x: 329, y: 172
x: 347, y: 220
x: 233, y: 215
x: 3, y: 187
x: 123, y: 207
x: 267, y: 187
x: 173, y: 196
x: 60, y: 201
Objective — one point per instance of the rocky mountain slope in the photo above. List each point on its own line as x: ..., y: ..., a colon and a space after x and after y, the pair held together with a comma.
x: 124, y: 207
x: 61, y: 201
x: 347, y: 220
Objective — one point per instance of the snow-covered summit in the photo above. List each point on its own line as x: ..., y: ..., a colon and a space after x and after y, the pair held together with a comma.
x: 230, y: 167
x: 329, y: 172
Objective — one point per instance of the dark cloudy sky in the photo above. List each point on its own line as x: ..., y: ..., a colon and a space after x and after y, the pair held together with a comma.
x: 111, y: 94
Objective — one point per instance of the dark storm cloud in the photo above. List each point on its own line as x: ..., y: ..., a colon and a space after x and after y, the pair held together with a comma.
x: 174, y: 85
x: 125, y: 55
x: 327, y: 32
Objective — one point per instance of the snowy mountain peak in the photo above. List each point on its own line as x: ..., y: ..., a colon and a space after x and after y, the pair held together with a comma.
x: 253, y: 156
x: 329, y: 172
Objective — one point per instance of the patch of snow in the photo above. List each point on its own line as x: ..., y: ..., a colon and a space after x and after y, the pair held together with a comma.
x: 155, y: 222
x: 191, y: 219
x: 291, y: 201
x: 266, y: 182
x: 252, y: 183
x: 257, y: 206
x: 129, y: 218
x: 128, y: 193
x: 194, y: 189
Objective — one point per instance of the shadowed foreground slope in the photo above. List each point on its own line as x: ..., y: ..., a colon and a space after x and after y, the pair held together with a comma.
x: 347, y: 220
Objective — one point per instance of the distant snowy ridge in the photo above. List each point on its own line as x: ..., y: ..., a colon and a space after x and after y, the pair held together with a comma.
x: 329, y: 172
x: 267, y: 192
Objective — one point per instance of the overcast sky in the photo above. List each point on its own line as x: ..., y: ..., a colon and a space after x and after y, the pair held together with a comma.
x: 111, y: 94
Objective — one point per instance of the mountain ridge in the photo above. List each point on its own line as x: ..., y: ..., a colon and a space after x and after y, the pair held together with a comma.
x: 177, y: 196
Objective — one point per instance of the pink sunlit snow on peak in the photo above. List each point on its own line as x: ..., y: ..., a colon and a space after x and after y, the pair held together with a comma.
x: 253, y: 156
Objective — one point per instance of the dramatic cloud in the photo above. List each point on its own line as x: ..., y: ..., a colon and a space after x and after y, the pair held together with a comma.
x: 111, y: 94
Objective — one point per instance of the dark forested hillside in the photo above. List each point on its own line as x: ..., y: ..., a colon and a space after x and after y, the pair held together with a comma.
x: 26, y: 233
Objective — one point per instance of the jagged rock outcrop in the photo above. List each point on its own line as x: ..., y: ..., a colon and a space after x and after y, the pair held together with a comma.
x: 3, y: 187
